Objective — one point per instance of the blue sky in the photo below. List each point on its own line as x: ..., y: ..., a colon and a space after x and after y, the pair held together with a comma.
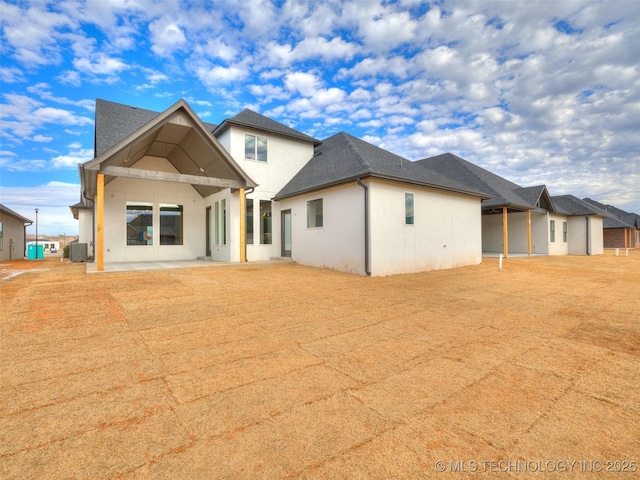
x: 543, y: 92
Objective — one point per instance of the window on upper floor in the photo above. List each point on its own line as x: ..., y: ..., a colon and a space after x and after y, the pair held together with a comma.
x: 255, y: 147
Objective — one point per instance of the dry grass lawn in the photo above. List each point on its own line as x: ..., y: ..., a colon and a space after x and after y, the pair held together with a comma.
x: 285, y: 371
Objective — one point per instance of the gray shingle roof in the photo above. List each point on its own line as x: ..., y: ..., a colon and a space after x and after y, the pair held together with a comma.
x: 343, y: 158
x: 570, y: 205
x: 8, y: 211
x: 250, y: 119
x: 115, y: 121
x: 502, y: 191
x: 617, y: 218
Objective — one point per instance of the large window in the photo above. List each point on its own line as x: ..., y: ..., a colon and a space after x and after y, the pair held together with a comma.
x: 139, y: 223
x: 265, y: 222
x: 314, y: 213
x: 565, y: 230
x: 408, y: 209
x: 170, y: 224
x: 552, y: 230
x: 255, y: 148
x: 249, y: 222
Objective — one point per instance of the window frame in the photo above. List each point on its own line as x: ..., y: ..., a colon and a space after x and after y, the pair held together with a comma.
x: 216, y: 223
x: 565, y: 231
x: 259, y: 153
x: 313, y: 204
x: 148, y: 234
x: 409, y: 219
x: 266, y: 224
x: 249, y: 213
x: 180, y: 209
x: 223, y: 221
x: 552, y: 231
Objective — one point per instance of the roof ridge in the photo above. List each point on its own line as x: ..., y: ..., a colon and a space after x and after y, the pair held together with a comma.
x: 367, y: 166
x: 465, y: 164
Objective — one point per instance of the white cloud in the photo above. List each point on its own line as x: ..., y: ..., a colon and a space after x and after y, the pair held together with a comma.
x: 73, y: 158
x: 11, y: 75
x: 501, y: 83
x: 387, y: 30
x: 100, y: 64
x: 31, y: 33
x: 304, y: 83
x: 166, y: 36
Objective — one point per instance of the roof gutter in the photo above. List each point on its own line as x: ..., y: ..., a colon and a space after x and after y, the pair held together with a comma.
x: 367, y: 267
x: 93, y: 215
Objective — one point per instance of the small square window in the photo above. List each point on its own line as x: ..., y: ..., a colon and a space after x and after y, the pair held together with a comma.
x: 314, y: 213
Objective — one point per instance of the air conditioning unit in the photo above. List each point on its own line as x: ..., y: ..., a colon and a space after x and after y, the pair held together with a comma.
x: 78, y: 252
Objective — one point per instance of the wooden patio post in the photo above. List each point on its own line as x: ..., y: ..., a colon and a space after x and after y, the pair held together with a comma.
x: 243, y: 240
x: 505, y: 232
x: 100, y: 208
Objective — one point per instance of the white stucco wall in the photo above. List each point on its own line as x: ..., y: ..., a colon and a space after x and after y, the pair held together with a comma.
x: 596, y: 236
x: 85, y: 228
x: 540, y: 233
x: 517, y: 228
x: 559, y: 247
x: 285, y: 158
x: 447, y: 231
x: 339, y: 243
x: 578, y: 235
x: 122, y: 190
x: 492, y: 233
x: 518, y: 232
x: 585, y: 238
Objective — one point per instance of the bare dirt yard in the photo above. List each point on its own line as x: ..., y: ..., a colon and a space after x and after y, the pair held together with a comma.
x: 284, y: 371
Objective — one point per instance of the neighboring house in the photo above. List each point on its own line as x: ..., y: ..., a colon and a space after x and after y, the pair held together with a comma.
x: 582, y: 230
x: 515, y: 220
x: 621, y: 229
x: 47, y: 245
x: 166, y: 186
x: 12, y: 234
x: 525, y: 220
